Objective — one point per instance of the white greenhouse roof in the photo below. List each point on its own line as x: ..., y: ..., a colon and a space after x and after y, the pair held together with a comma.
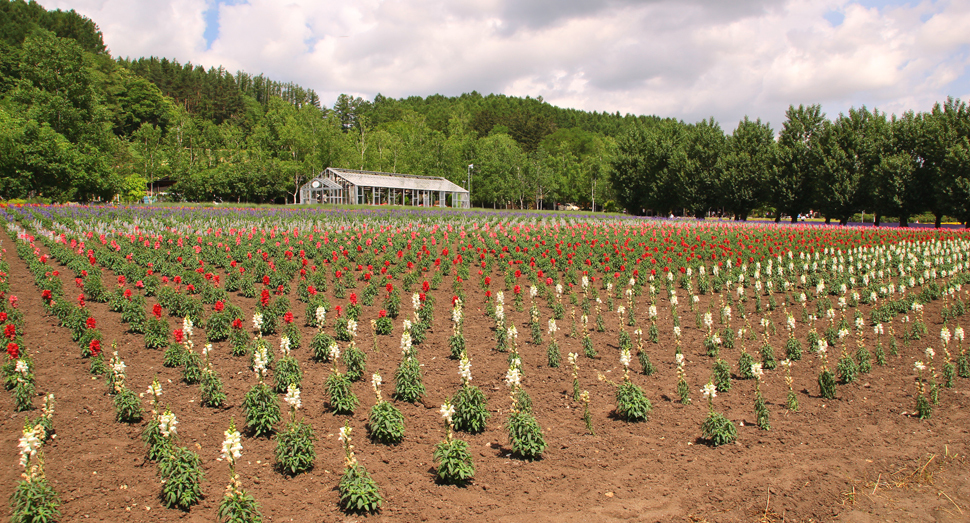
x: 397, y: 181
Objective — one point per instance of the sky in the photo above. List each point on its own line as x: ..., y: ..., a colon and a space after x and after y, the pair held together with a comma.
x: 687, y: 59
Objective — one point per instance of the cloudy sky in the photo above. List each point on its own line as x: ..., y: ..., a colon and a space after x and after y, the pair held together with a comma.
x: 689, y: 59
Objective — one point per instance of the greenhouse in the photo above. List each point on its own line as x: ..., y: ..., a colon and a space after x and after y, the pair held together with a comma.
x: 348, y: 186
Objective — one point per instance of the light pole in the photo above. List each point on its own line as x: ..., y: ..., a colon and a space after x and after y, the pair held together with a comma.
x: 468, y: 184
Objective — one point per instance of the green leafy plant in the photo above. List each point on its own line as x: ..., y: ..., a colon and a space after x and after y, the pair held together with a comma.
x: 721, y: 375
x: 386, y: 423
x: 237, y: 506
x: 455, y: 464
x: 524, y: 432
x: 358, y: 491
x: 471, y: 407
x: 260, y: 405
x: 181, y: 471
x: 294, y: 444
x: 34, y: 500
x: 210, y: 388
x: 717, y: 430
x: 339, y: 387
x: 356, y: 362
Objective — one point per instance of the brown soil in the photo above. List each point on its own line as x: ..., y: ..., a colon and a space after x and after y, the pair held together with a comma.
x: 861, y: 457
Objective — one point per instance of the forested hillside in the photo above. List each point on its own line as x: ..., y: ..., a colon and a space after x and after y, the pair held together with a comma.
x: 77, y: 124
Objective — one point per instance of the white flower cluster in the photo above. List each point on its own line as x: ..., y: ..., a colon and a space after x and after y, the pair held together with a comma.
x: 456, y: 314
x: 232, y: 446
x: 416, y: 301
x: 757, y: 371
x: 447, y: 412
x: 553, y: 328
x: 465, y: 369
x: 334, y: 351
x: 499, y: 312
x: 292, y: 397
x: 513, y: 332
x: 709, y: 391
x: 571, y: 358
x: 30, y: 443
x: 187, y: 326
x: 258, y: 321
x: 625, y: 358
x: 167, y: 424
x: 155, y: 389
x: 260, y: 359
x: 321, y: 316
x: 533, y: 291
x: 513, y: 377
x: 352, y: 328
x: 406, y: 343
x: 344, y: 436
x: 919, y: 366
x: 285, y: 345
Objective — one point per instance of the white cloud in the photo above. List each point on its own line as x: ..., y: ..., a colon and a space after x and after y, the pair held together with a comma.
x: 687, y: 59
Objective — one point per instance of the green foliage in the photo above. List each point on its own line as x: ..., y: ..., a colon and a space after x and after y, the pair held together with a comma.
x: 210, y: 389
x: 826, y: 384
x: 174, y: 356
x: 158, y: 446
x: 722, y: 375
x: 127, y: 406
x: 386, y: 423
x: 792, y: 401
x: 848, y: 369
x: 456, y: 343
x: 553, y: 356
x: 356, y: 362
x: 761, y: 412
x: 923, y: 408
x: 192, y: 372
x: 384, y: 326
x: 286, y: 373
x: 34, y: 501
x: 525, y: 435
x: 471, y: 409
x: 294, y: 448
x: 320, y: 346
x: 631, y: 403
x: 239, y: 506
x: 864, y: 360
x: 358, y: 491
x: 793, y: 349
x: 768, y: 361
x: 408, y: 384
x: 647, y: 367
x: 342, y: 398
x: 181, y: 471
x: 262, y: 410
x: 455, y: 464
x: 744, y: 366
x: 588, y: 350
x: 717, y: 430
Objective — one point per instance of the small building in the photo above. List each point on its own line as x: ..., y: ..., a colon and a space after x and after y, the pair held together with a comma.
x: 348, y: 186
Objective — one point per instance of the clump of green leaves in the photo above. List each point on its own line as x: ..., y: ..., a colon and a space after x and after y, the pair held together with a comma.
x: 455, y: 464
x: 356, y: 362
x: 525, y: 435
x: 721, y: 375
x: 294, y: 444
x: 386, y: 423
x: 358, y: 491
x: 717, y: 429
x: 237, y: 506
x: 34, y: 499
x: 260, y: 405
x: 339, y: 387
x: 181, y: 471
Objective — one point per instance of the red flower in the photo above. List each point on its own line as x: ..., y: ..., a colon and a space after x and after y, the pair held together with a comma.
x: 353, y: 298
x: 389, y: 288
x: 264, y: 298
x: 425, y: 286
x: 13, y: 350
x: 339, y: 310
x: 517, y: 289
x: 3, y: 317
x: 311, y: 290
x: 78, y: 282
x: 10, y: 331
x: 121, y: 280
x: 191, y: 288
x: 157, y: 310
x: 279, y: 290
x: 518, y: 273
x: 382, y: 313
x: 46, y: 295
x: 95, y: 347
x: 80, y: 301
x: 91, y: 323
x: 179, y: 335
x: 488, y: 281
x: 488, y: 294
x: 219, y: 306
x: 128, y: 294
x: 454, y: 300
x: 422, y: 296
x: 237, y: 323
x: 139, y: 284
x: 177, y: 279
x: 288, y: 317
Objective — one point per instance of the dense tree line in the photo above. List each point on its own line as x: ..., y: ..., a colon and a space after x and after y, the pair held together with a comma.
x: 76, y: 124
x: 863, y: 161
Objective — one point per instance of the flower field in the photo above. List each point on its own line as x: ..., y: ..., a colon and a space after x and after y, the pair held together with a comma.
x: 301, y: 365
